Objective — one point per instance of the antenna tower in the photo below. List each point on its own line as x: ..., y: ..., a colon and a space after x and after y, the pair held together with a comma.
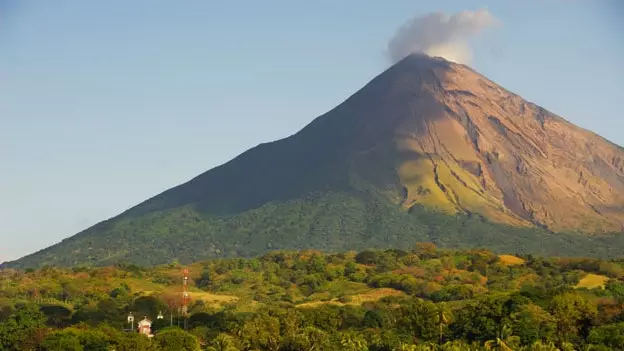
x: 185, y: 296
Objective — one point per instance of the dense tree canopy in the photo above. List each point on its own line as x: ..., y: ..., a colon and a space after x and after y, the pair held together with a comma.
x: 423, y: 299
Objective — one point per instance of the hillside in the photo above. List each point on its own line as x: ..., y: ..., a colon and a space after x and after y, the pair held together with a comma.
x: 424, y: 298
x: 427, y: 151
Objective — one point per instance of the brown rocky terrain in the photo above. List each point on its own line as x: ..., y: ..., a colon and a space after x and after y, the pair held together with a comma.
x: 468, y: 145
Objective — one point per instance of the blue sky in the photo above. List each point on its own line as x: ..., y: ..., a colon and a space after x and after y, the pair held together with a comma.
x: 106, y: 103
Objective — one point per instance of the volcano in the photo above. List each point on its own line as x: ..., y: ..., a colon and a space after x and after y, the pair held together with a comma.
x: 429, y: 150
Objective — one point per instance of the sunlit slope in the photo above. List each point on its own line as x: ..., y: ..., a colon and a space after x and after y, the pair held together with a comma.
x: 474, y: 147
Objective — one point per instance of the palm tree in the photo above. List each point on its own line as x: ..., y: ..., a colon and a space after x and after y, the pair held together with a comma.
x: 567, y: 346
x: 222, y: 342
x: 353, y: 342
x: 539, y: 346
x: 427, y: 346
x: 407, y: 347
x: 443, y: 321
x: 460, y: 346
x: 314, y: 338
x: 503, y: 341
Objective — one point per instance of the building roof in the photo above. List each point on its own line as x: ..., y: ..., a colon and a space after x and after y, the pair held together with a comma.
x: 145, y: 320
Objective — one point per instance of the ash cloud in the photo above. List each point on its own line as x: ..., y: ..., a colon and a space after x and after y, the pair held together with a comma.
x: 439, y: 34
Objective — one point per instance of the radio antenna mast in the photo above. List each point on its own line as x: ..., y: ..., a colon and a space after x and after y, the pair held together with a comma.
x: 185, y: 296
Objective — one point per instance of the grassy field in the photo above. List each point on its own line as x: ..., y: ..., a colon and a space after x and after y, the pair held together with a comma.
x: 592, y: 281
x: 511, y: 260
x: 370, y: 295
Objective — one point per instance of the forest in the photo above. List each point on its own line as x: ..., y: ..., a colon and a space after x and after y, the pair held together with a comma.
x: 425, y: 298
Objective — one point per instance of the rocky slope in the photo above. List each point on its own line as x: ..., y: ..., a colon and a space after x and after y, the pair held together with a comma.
x: 442, y: 135
x: 471, y: 146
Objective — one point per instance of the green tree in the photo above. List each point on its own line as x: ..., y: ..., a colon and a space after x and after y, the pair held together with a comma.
x: 425, y: 250
x: 324, y: 317
x: 352, y: 341
x: 222, y: 342
x: 57, y: 316
x: 262, y: 331
x: 205, y: 279
x: 96, y: 339
x: 541, y: 346
x: 421, y: 319
x: 148, y: 306
x: 505, y: 340
x: 175, y: 339
x: 23, y: 329
x: 443, y: 320
x: 122, y: 291
x: 307, y: 339
x: 373, y: 319
x: 62, y: 341
x: 532, y: 323
x: 573, y: 315
x: 291, y: 321
x: 482, y: 319
x: 611, y: 335
x: 133, y: 342
x: 366, y: 257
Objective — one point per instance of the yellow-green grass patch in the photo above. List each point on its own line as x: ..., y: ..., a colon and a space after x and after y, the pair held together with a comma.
x: 511, y: 260
x: 592, y: 281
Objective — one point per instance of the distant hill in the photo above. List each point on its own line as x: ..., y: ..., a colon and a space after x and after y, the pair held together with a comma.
x: 427, y: 151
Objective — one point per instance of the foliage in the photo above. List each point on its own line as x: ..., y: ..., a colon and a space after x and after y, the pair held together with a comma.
x: 173, y: 339
x: 329, y: 221
x: 22, y: 330
x: 428, y: 298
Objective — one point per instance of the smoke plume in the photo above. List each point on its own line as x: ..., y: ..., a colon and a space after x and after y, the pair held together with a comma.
x: 438, y: 34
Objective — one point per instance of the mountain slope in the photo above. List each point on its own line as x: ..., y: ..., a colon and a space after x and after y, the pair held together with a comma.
x: 456, y: 141
x: 424, y: 144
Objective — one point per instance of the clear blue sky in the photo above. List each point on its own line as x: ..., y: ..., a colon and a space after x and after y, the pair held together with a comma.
x: 106, y: 103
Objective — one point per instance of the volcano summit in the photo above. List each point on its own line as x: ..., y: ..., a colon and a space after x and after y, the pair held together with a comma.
x: 429, y: 150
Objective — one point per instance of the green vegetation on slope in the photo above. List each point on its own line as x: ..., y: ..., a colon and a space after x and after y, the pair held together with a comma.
x: 329, y: 222
x: 425, y: 298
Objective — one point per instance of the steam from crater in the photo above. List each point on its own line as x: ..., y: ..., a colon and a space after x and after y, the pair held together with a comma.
x: 439, y: 34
